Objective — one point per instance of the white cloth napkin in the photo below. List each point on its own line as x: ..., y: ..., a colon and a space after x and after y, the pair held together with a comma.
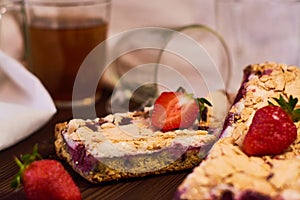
x: 25, y: 105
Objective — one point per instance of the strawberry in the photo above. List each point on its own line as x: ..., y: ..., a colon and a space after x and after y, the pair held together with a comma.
x: 176, y: 110
x: 45, y: 179
x: 272, y: 129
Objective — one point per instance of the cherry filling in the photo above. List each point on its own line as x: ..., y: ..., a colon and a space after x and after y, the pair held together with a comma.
x: 230, y: 119
x: 83, y: 161
x: 246, y: 195
x: 180, y: 153
x: 252, y: 195
x: 86, y: 162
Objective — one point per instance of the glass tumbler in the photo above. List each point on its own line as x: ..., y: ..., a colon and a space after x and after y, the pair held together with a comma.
x: 258, y: 31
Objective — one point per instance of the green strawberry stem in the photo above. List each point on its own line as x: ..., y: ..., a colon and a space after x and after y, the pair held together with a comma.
x: 288, y: 106
x: 203, y: 108
x: 23, y: 163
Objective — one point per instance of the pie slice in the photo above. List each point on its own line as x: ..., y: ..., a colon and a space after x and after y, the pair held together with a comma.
x: 227, y: 172
x: 124, y: 145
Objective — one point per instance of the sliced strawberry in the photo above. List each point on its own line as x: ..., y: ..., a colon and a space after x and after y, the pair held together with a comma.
x: 272, y: 130
x: 174, y: 110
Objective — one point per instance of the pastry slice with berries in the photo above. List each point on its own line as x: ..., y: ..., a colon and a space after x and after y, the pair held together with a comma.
x: 257, y: 156
x: 174, y: 134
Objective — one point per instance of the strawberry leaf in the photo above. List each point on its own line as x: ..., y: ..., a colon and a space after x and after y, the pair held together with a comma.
x: 204, y: 101
x: 23, y: 163
x: 29, y: 158
x: 296, y: 115
x: 271, y: 104
x: 288, y: 106
x: 16, y: 182
x: 292, y: 102
x: 202, y: 107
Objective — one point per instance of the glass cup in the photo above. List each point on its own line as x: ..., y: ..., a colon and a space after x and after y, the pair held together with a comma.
x: 258, y: 31
x: 154, y: 59
x: 59, y: 34
x: 11, y: 29
x: 206, y: 70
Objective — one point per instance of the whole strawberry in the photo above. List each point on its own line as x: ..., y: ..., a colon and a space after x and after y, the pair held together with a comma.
x: 45, y: 179
x: 272, y: 129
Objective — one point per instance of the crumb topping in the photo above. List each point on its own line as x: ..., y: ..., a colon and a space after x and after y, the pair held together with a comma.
x: 261, y: 88
x: 129, y: 133
x: 228, y: 168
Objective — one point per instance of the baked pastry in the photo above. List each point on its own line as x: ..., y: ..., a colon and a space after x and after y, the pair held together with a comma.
x: 228, y: 172
x: 124, y: 145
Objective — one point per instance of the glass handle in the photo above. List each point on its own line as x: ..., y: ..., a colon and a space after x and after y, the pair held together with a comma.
x: 211, y: 41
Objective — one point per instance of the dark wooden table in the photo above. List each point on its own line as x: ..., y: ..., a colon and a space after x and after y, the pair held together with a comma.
x: 155, y: 187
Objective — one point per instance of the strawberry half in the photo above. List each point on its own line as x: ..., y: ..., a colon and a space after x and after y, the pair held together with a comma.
x: 174, y: 110
x: 45, y: 179
x: 272, y: 129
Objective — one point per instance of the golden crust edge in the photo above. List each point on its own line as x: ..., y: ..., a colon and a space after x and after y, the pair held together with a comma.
x: 111, y: 174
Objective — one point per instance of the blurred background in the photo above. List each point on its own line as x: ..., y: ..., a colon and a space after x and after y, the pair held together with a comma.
x: 128, y: 14
x: 254, y: 31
